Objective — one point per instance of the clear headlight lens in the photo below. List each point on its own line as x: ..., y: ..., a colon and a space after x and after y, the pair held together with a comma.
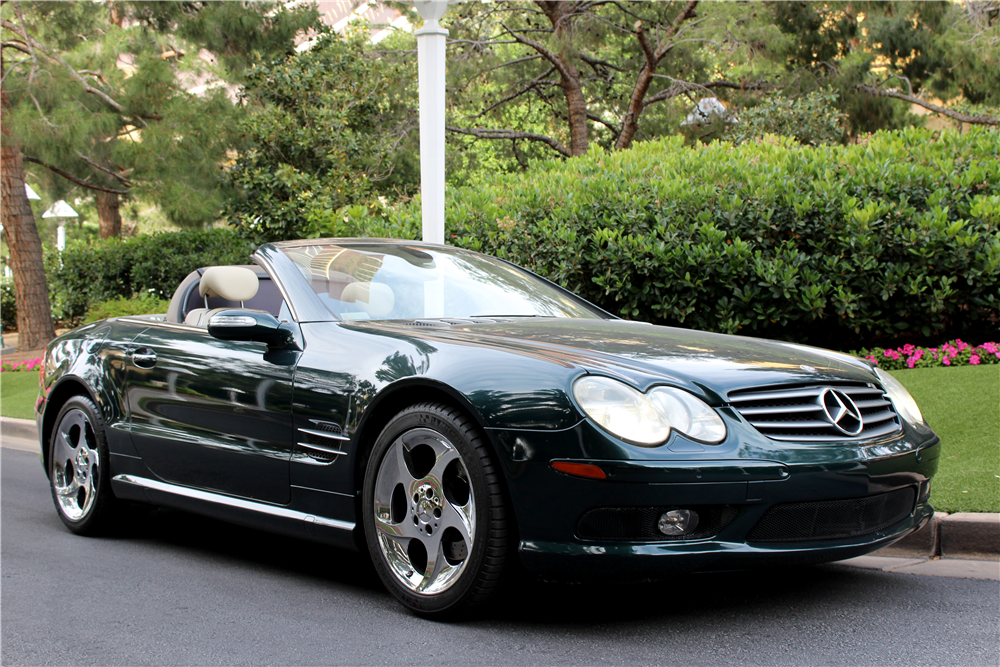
x: 901, y: 399
x: 646, y: 419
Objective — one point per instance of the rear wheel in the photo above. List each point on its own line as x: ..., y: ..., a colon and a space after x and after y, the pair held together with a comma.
x: 78, y: 468
x: 434, y: 513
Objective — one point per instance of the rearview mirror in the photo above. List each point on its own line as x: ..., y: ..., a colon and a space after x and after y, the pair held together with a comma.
x: 249, y: 326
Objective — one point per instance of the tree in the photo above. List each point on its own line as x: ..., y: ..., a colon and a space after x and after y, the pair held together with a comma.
x: 322, y: 130
x: 557, y: 75
x: 98, y: 97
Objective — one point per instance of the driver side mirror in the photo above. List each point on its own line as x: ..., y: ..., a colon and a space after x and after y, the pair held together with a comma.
x: 245, y: 325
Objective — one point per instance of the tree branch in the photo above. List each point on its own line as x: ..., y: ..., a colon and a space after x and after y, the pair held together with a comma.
x: 636, y: 104
x: 511, y: 134
x: 531, y: 84
x: 34, y: 43
x: 681, y: 87
x: 545, y: 53
x: 72, y: 178
x: 124, y: 181
x: 598, y: 119
x: 951, y: 113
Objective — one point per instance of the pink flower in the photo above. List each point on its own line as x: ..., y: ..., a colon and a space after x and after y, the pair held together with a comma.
x: 990, y: 347
x: 946, y: 361
x: 974, y: 360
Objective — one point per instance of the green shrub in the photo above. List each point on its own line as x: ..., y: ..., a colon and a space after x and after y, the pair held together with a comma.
x: 812, y: 119
x: 843, y: 246
x: 99, y: 271
x: 139, y: 304
x: 8, y: 304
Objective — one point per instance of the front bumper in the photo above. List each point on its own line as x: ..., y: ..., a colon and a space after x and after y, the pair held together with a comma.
x: 747, y: 475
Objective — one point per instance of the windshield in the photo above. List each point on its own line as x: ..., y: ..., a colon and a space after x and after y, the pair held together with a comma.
x: 399, y: 282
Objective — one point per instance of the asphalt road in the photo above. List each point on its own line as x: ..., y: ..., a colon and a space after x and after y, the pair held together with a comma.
x: 182, y: 590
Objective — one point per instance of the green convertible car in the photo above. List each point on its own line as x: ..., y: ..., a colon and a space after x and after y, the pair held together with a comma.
x: 455, y: 415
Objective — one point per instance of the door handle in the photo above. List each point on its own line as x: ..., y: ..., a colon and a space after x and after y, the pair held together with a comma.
x: 144, y: 357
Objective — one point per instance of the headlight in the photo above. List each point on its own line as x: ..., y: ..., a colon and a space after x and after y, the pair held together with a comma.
x: 901, y: 399
x: 646, y: 419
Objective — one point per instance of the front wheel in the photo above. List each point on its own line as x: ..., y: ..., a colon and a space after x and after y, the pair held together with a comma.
x: 79, y: 466
x: 434, y: 513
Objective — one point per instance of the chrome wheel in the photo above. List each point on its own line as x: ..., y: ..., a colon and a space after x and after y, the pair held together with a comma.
x: 76, y: 465
x: 424, y: 511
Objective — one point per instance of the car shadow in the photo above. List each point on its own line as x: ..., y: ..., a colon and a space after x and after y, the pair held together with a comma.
x: 525, y: 599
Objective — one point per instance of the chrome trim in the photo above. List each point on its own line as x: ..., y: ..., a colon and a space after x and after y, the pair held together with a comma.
x: 237, y: 503
x: 804, y: 409
x: 325, y: 434
x: 321, y: 448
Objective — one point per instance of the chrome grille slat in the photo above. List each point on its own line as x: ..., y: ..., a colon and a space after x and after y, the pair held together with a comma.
x: 870, y: 405
x: 780, y: 395
x: 788, y: 408
x: 879, y: 417
x: 798, y: 414
x: 791, y: 424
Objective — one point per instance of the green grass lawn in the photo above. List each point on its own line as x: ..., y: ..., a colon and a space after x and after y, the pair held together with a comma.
x: 962, y: 405
x: 18, y: 392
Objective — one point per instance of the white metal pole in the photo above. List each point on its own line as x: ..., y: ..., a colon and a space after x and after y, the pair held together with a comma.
x: 61, y: 237
x: 431, y: 39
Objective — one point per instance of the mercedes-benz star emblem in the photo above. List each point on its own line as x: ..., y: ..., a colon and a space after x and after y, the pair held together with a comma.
x: 841, y: 411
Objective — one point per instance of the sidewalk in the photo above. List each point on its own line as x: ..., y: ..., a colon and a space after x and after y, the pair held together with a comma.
x: 936, y: 549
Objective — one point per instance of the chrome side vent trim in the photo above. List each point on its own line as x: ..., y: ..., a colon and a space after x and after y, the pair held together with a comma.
x: 819, y: 413
x: 323, y: 443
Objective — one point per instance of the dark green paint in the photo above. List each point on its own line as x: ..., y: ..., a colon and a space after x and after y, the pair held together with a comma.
x: 225, y: 416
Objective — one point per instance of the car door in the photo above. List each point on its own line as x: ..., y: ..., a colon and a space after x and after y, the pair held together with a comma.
x: 212, y: 414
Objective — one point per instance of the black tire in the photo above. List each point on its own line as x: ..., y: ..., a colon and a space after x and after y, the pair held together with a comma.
x: 438, y: 498
x: 79, y: 469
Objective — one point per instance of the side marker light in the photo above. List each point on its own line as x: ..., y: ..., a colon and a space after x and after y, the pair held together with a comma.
x: 579, y: 469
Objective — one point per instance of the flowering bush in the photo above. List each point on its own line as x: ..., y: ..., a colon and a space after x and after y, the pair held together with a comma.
x: 954, y: 353
x: 29, y: 365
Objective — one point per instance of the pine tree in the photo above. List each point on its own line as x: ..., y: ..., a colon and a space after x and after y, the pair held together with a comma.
x: 105, y: 97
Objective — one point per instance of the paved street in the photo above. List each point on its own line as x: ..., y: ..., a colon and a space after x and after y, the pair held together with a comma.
x: 180, y: 589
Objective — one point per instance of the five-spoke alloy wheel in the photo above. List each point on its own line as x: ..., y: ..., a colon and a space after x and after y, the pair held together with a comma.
x: 77, y: 463
x: 435, y: 518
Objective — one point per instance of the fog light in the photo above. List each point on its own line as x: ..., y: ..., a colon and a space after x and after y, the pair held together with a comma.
x: 677, y: 522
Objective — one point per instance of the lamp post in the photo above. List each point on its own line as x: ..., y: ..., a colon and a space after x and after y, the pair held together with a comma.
x: 431, y: 38
x: 60, y: 210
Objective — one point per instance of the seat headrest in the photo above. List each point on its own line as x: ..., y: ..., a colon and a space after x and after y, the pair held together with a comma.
x: 375, y: 298
x: 233, y: 283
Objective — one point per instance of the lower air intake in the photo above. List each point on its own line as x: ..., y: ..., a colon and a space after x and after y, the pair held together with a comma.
x: 833, y: 519
x: 638, y: 524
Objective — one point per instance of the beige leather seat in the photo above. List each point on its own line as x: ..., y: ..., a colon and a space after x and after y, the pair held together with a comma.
x: 233, y: 283
x: 375, y: 299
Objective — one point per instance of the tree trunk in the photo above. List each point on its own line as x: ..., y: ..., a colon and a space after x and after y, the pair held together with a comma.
x: 560, y: 14
x: 34, y: 314
x: 579, y: 139
x: 109, y: 214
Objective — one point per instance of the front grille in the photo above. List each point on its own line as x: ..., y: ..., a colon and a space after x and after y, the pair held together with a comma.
x: 638, y: 524
x: 833, y: 519
x: 798, y: 413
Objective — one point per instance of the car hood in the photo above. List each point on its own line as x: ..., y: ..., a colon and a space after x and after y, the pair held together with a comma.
x: 644, y: 354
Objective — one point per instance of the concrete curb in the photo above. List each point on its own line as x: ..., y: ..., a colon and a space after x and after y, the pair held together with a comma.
x: 18, y: 428
x: 966, y: 535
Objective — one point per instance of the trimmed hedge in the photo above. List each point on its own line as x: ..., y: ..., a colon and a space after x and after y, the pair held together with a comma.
x: 841, y: 246
x: 154, y: 264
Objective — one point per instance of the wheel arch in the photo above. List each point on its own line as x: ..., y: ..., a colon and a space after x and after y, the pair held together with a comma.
x: 394, y: 399
x: 67, y: 387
